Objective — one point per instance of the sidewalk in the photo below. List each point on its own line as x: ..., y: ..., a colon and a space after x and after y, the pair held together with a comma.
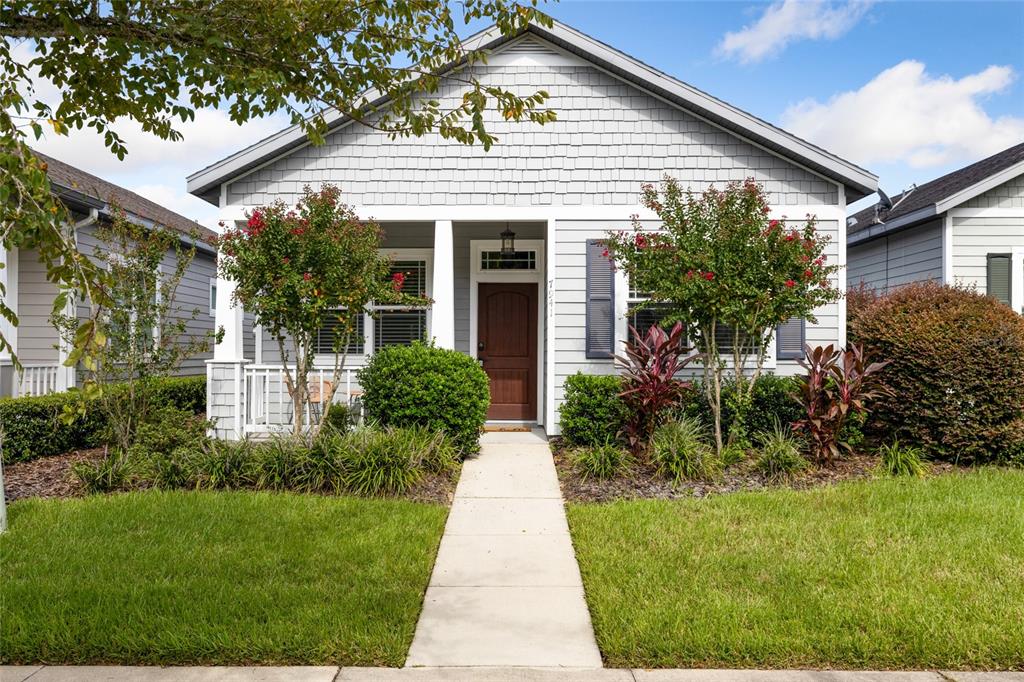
x: 506, y: 589
x: 333, y: 674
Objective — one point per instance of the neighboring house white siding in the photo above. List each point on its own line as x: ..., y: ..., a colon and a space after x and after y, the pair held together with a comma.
x: 893, y: 260
x: 37, y: 338
x: 975, y: 238
x: 609, y: 138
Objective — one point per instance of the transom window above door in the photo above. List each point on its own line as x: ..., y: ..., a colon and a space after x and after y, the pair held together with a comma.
x: 517, y: 260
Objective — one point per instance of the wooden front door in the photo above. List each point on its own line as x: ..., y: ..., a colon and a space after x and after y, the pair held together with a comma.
x: 507, y: 347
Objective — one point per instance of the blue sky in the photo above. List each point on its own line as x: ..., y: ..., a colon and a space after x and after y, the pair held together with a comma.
x: 909, y: 90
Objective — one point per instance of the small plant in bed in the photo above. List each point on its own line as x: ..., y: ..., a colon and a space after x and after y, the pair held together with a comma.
x: 604, y: 461
x: 680, y: 450
x: 896, y: 459
x: 780, y: 457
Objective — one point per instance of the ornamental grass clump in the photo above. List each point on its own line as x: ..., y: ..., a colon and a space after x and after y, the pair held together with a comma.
x: 780, y: 457
x: 896, y: 459
x: 601, y: 462
x: 680, y: 450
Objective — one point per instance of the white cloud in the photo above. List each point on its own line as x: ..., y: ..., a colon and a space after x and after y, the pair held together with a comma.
x: 157, y: 166
x: 790, y: 20
x: 904, y: 115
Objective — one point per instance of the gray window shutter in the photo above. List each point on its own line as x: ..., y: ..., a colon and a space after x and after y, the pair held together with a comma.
x: 998, y: 282
x: 790, y: 339
x: 600, y: 302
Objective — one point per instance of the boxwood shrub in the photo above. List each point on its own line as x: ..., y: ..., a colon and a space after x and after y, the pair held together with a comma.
x: 956, y: 370
x: 422, y: 385
x: 592, y: 413
x: 31, y: 426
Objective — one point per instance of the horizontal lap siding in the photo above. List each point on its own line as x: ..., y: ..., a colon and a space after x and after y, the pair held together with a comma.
x: 193, y: 294
x: 975, y: 238
x: 912, y: 255
x: 37, y: 338
x: 609, y: 138
x: 570, y: 302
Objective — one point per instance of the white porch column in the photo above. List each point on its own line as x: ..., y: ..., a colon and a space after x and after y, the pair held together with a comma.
x: 443, y: 291
x: 225, y: 380
x: 551, y: 426
x: 229, y: 316
x: 9, y: 279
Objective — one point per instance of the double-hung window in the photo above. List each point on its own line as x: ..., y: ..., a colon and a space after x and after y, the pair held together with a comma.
x: 642, y: 317
x: 386, y: 325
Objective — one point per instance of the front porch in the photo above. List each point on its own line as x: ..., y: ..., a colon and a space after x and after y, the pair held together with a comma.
x: 491, y: 305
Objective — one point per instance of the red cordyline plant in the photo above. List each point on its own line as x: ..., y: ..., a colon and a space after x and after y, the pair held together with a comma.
x: 651, y: 388
x: 296, y: 269
x: 726, y: 268
x: 837, y: 385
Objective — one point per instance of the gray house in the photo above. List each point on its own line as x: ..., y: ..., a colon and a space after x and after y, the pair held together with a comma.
x: 89, y: 200
x: 966, y: 227
x: 551, y: 305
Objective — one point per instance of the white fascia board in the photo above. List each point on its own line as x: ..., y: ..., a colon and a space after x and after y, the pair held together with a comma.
x: 985, y: 185
x: 592, y: 50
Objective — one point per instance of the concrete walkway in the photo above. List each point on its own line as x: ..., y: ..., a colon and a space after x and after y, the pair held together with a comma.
x: 506, y: 590
x: 334, y: 674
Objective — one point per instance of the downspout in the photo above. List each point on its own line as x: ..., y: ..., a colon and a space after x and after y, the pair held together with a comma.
x: 67, y: 377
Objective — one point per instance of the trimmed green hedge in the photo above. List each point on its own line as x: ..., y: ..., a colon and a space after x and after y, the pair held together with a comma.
x: 592, y: 413
x: 421, y: 385
x: 31, y: 426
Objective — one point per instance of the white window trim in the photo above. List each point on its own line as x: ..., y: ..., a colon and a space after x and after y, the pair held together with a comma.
x: 158, y: 272
x: 425, y: 255
x: 213, y: 297
x: 478, y: 275
x: 1017, y: 279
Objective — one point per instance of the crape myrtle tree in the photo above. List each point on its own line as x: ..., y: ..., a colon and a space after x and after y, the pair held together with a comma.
x: 298, y: 269
x: 155, y: 62
x: 728, y: 272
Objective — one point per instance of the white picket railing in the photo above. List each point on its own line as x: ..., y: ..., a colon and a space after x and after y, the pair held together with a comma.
x: 39, y: 380
x: 267, y: 405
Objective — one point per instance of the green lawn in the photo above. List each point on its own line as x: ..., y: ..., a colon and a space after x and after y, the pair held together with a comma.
x: 173, y: 578
x: 874, y: 574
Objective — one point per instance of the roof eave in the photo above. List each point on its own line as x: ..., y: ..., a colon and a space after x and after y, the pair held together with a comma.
x: 903, y: 222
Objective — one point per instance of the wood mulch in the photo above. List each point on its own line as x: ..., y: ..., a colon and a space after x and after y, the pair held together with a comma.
x: 643, y: 481
x: 46, y: 476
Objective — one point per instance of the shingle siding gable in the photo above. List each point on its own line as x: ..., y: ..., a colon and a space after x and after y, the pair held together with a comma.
x: 1007, y: 195
x: 609, y: 138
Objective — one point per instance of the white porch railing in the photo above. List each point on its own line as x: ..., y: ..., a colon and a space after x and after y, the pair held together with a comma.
x: 39, y: 380
x: 267, y: 405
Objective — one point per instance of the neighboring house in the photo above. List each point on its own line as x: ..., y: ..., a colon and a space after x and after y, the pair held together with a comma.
x: 90, y: 201
x: 555, y: 307
x: 966, y: 227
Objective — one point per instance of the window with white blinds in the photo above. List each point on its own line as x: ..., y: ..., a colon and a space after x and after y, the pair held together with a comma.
x: 642, y: 317
x: 998, y: 284
x: 400, y: 326
x: 385, y: 325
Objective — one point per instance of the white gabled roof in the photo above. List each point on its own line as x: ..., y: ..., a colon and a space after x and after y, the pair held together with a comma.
x: 857, y: 181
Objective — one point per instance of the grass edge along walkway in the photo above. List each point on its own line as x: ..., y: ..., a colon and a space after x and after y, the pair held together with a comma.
x: 890, y: 574
x: 173, y: 578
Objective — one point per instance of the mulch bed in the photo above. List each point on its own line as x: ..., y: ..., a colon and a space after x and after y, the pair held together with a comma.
x: 46, y: 476
x: 643, y: 482
x: 51, y: 477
